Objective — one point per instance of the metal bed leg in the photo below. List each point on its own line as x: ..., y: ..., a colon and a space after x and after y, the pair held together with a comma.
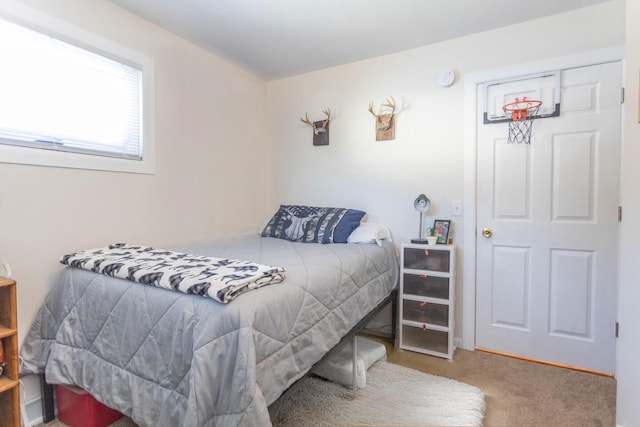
x: 48, y: 413
x: 354, y: 349
x: 394, y: 319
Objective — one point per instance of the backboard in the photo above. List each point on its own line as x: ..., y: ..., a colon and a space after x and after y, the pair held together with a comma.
x: 542, y: 86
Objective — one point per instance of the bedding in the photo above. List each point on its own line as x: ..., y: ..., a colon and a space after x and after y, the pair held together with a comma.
x: 221, y: 279
x: 171, y: 359
x: 310, y: 224
x: 369, y: 232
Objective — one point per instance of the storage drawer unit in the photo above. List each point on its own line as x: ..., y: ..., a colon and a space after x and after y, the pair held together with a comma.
x: 427, y: 297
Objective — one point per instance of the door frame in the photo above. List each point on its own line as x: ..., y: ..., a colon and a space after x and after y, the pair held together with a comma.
x: 471, y: 82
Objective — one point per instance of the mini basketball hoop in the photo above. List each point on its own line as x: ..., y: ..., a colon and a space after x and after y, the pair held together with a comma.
x: 521, y: 113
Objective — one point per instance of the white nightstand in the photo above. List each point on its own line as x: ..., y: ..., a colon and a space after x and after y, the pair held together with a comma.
x: 427, y: 297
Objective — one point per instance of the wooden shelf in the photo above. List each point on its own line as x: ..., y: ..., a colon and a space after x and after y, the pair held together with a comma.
x: 6, y: 332
x: 9, y: 384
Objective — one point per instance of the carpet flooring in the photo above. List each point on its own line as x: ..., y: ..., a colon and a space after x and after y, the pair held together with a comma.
x: 517, y: 393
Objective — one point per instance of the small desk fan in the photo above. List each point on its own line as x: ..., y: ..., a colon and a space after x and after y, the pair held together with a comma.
x: 422, y: 204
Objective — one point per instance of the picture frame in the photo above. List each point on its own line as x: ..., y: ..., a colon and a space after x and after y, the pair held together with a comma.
x: 441, y: 227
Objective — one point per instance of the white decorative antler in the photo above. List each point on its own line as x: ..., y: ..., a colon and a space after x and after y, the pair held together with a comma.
x: 307, y: 121
x: 391, y: 104
x: 327, y: 113
x: 317, y: 129
x: 384, y: 121
x: 371, y: 110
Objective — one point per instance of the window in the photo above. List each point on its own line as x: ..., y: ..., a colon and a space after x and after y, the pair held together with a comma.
x: 66, y: 102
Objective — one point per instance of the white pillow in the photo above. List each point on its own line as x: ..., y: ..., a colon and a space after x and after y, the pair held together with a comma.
x: 338, y: 365
x: 369, y: 232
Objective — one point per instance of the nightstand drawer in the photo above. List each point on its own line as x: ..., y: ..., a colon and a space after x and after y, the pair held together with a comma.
x: 425, y: 339
x: 425, y: 312
x: 424, y: 285
x: 427, y: 259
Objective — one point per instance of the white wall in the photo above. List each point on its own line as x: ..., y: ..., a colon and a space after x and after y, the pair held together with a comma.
x: 628, y: 368
x: 426, y: 156
x: 210, y: 144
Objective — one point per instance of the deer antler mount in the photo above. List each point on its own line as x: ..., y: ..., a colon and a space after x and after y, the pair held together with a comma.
x: 320, y: 128
x: 385, y: 123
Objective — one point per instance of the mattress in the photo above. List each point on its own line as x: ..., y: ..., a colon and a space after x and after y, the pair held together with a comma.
x: 166, y: 358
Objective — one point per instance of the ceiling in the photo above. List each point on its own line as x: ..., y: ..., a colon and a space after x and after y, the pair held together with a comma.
x: 279, y: 38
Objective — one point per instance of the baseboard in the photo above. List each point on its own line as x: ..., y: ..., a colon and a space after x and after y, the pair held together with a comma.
x: 545, y: 362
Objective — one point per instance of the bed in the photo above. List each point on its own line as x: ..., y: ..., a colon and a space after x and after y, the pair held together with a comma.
x: 167, y: 358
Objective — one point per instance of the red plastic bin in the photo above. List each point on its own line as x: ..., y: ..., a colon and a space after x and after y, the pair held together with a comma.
x: 77, y: 408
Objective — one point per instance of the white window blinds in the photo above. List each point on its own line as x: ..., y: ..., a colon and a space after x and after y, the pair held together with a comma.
x: 58, y: 96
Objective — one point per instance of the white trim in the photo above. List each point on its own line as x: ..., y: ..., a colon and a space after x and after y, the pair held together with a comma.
x: 471, y: 111
x: 30, y: 17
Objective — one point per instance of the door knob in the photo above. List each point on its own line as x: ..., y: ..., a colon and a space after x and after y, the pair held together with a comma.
x: 487, y: 232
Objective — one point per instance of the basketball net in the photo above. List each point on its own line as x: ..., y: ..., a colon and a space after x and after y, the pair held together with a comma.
x: 521, y: 113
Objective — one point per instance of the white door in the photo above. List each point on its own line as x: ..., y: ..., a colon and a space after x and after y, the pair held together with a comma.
x: 546, y: 278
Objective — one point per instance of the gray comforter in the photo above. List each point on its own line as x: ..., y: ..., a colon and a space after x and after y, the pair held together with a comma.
x: 169, y: 359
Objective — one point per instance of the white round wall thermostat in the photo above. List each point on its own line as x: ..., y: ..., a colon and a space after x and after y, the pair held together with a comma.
x: 446, y: 78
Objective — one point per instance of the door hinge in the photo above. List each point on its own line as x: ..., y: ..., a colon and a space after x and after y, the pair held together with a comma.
x: 619, y: 213
x: 617, y: 329
x: 621, y: 95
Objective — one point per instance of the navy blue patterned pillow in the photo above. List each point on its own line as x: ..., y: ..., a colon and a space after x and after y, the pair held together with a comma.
x: 310, y: 224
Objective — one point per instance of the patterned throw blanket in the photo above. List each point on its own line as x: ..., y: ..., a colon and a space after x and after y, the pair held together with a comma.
x: 218, y: 278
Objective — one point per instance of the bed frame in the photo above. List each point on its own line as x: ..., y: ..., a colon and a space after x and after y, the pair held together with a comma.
x: 48, y: 409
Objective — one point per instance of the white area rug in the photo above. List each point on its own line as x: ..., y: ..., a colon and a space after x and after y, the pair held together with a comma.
x: 394, y: 396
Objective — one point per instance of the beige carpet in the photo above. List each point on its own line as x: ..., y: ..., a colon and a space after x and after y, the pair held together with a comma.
x: 518, y: 393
